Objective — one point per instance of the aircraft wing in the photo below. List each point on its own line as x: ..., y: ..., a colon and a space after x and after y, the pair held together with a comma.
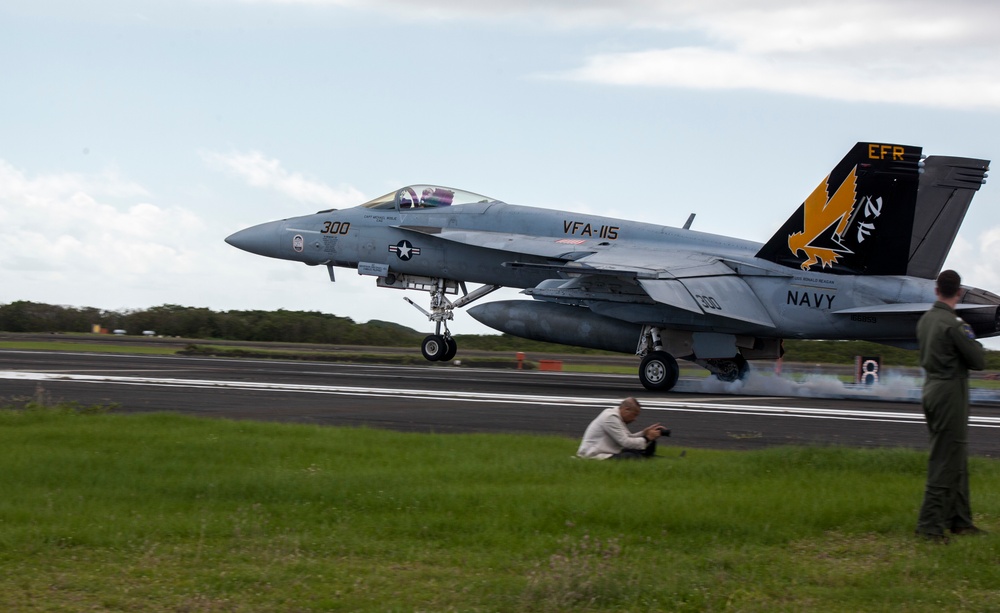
x: 540, y: 246
x: 691, y: 281
x: 582, y: 256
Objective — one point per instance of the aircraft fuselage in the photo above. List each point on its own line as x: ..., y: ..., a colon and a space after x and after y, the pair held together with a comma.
x: 857, y: 260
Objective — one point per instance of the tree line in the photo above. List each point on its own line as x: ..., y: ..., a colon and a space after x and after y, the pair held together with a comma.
x: 324, y: 328
x: 203, y: 323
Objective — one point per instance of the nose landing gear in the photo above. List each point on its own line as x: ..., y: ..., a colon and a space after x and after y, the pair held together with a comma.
x: 440, y: 346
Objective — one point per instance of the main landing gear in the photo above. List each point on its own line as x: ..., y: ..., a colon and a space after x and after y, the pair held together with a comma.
x: 440, y: 346
x: 726, y: 369
x: 658, y: 371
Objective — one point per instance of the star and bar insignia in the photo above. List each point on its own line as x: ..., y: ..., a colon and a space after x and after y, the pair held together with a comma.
x: 404, y: 250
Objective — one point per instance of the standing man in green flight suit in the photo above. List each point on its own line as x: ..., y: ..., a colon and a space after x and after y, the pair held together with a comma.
x: 948, y: 349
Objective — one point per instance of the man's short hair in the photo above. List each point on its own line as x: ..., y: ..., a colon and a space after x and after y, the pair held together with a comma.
x: 630, y: 403
x: 949, y: 283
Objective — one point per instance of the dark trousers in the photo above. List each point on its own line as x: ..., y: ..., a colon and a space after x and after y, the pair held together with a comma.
x: 636, y: 454
x: 946, y: 495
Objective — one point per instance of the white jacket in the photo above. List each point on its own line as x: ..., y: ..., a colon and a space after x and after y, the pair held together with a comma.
x: 607, y: 436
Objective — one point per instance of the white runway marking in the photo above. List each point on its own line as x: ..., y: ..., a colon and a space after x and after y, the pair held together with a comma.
x: 712, y: 406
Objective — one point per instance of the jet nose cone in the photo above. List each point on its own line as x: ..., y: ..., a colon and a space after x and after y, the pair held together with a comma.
x: 262, y: 239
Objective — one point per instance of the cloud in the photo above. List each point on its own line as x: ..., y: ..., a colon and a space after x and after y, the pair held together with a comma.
x: 937, y: 56
x: 15, y: 185
x: 923, y: 52
x: 975, y: 259
x: 76, y: 230
x: 263, y: 172
x: 708, y: 69
x: 872, y: 27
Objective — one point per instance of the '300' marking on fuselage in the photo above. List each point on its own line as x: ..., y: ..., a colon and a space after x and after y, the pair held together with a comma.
x: 336, y: 227
x: 708, y: 302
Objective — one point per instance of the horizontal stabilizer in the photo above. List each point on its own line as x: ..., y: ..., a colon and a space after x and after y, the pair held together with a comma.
x: 887, y: 309
x: 983, y: 317
x: 908, y: 307
x: 947, y: 186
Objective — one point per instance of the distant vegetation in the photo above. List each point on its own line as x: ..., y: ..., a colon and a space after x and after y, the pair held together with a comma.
x: 193, y: 322
x: 844, y: 352
x: 261, y: 326
x: 323, y: 328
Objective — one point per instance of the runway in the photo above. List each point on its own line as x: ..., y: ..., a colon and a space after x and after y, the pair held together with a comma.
x: 447, y: 399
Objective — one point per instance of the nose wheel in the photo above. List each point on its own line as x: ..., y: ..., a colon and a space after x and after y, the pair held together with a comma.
x: 439, y: 348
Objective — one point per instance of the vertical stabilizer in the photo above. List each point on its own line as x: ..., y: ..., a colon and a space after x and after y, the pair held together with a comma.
x: 859, y: 220
x: 947, y: 186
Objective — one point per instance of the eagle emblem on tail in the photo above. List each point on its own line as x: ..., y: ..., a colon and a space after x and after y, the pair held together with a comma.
x: 825, y: 220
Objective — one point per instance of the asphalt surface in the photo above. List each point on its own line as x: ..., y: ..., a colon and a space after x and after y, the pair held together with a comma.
x: 446, y: 399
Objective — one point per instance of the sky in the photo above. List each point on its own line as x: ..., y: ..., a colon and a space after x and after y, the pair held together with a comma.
x: 136, y: 135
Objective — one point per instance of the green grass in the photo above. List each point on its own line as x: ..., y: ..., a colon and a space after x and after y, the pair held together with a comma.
x: 88, y: 347
x: 168, y: 513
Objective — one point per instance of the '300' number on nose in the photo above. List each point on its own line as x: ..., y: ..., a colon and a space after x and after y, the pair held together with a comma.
x: 336, y: 227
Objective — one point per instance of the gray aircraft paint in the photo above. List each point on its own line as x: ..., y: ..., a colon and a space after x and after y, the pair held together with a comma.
x: 659, y: 291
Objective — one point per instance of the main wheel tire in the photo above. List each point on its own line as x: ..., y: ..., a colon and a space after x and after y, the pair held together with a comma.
x: 731, y: 370
x: 434, y: 347
x: 658, y: 371
x: 451, y: 350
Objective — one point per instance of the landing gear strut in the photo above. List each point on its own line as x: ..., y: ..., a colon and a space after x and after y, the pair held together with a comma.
x: 440, y: 346
x: 658, y: 371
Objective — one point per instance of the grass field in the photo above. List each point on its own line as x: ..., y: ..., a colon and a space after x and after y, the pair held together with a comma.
x: 166, y: 513
x: 85, y: 347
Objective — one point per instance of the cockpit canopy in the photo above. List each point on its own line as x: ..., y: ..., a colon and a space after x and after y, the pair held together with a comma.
x: 425, y: 197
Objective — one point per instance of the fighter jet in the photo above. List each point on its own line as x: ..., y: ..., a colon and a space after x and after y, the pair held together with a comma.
x: 857, y: 260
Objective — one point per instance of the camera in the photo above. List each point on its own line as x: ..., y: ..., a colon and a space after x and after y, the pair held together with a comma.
x: 664, y: 431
